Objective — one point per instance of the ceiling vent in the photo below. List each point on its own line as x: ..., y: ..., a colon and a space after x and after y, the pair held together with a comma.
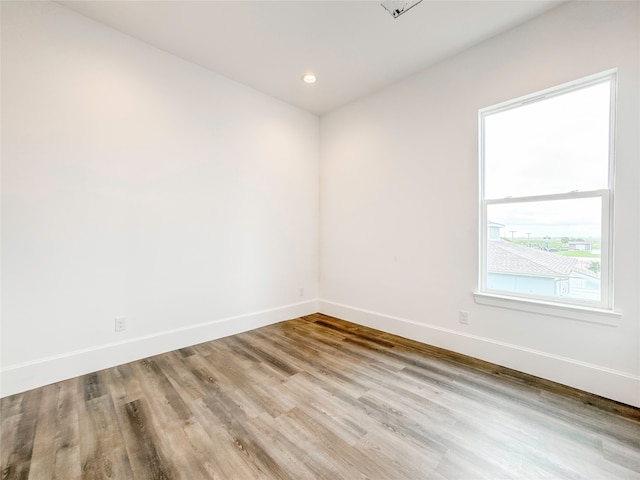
x: 398, y: 7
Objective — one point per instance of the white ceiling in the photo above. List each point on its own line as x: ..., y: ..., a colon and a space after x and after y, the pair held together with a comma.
x: 354, y: 47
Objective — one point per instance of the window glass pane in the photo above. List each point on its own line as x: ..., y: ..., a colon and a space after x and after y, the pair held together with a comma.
x: 556, y: 145
x: 549, y: 248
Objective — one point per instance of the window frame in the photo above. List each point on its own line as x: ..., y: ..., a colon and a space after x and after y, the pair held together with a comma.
x: 524, y: 301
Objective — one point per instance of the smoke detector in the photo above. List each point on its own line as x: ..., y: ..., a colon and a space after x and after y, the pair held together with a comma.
x: 398, y: 7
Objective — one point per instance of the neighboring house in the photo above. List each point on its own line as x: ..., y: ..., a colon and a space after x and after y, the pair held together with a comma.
x: 580, y: 246
x: 494, y: 230
x: 517, y: 268
x: 584, y: 283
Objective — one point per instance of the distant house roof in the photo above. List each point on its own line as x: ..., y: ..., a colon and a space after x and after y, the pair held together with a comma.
x: 507, y: 257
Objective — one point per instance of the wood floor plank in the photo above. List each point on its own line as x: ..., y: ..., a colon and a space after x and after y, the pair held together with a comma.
x: 11, y: 406
x: 333, y: 448
x: 222, y: 448
x: 9, y: 431
x: 43, y: 461
x: 142, y: 442
x: 19, y: 460
x: 159, y: 389
x: 234, y: 423
x: 287, y: 450
x: 68, y: 463
x: 205, y: 454
x: 315, y: 398
x: 106, y: 457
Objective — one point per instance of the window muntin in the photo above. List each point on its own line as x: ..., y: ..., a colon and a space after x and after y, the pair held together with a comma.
x: 546, y: 163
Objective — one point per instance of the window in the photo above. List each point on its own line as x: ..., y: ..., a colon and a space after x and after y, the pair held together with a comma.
x: 546, y: 195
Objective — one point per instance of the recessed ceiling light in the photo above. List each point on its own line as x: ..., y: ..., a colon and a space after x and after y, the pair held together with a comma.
x: 309, y: 78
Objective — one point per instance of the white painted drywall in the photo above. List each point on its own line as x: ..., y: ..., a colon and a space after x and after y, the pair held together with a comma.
x: 136, y: 184
x: 399, y: 201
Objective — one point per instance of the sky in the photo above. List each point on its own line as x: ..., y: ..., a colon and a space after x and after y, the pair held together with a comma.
x: 577, y: 218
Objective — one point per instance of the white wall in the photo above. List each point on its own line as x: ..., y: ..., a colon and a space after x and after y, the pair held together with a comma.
x: 135, y: 184
x: 399, y: 203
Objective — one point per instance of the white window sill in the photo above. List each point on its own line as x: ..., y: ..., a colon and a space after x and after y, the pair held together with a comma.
x: 574, y: 312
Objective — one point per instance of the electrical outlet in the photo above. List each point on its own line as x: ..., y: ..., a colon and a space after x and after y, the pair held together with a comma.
x: 464, y: 317
x: 120, y: 324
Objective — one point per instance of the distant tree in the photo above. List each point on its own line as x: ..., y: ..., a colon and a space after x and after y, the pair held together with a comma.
x: 594, y: 267
x: 564, y: 239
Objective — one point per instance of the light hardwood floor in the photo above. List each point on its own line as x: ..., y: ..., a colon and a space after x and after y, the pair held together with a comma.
x: 315, y: 398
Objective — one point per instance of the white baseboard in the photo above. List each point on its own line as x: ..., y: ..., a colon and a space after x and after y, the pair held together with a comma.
x: 615, y: 385
x: 22, y: 377
x: 608, y: 383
